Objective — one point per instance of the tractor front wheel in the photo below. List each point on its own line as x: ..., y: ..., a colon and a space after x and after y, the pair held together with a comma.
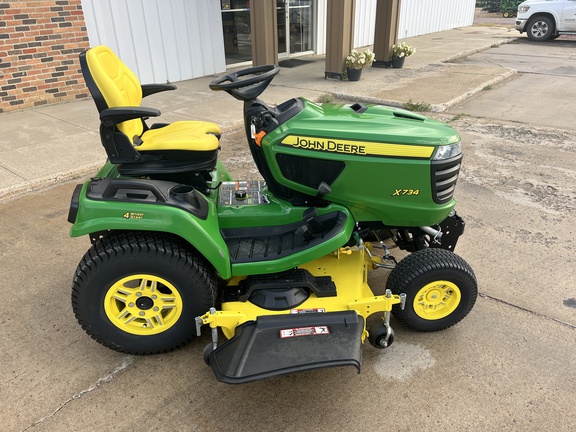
x: 139, y: 292
x: 440, y: 289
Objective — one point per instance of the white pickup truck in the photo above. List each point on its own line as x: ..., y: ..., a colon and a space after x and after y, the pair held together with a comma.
x: 546, y: 19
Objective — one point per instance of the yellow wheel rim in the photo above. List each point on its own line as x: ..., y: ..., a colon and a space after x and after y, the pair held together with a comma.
x: 143, y: 304
x: 437, y: 300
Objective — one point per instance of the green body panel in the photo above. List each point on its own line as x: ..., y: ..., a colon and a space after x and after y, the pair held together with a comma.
x: 368, y: 184
x: 102, y: 215
x: 378, y: 124
x: 94, y: 216
x: 388, y: 181
x: 221, y: 174
x: 279, y: 212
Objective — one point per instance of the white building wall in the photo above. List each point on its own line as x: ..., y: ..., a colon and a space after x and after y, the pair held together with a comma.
x: 417, y: 17
x: 364, y: 22
x: 321, y: 6
x: 160, y: 40
x: 175, y: 40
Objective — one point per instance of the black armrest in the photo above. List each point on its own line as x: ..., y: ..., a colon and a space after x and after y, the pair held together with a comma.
x: 149, y: 89
x: 112, y: 116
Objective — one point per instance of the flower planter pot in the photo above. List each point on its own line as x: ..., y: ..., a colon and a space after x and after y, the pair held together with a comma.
x: 398, y: 62
x: 353, y: 74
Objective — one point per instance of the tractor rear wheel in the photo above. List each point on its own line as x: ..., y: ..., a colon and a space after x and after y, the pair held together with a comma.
x: 139, y: 292
x: 440, y: 289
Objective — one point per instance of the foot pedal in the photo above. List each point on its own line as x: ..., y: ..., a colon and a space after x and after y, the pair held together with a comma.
x: 283, y: 344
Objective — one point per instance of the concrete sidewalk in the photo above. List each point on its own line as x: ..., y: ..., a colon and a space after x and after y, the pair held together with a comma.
x: 44, y: 146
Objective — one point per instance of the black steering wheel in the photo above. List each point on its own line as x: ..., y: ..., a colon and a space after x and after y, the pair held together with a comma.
x: 246, y: 89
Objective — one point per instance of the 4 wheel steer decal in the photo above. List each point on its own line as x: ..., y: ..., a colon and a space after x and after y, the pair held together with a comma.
x: 133, y: 215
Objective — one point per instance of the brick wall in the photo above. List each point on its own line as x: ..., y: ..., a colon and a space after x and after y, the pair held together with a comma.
x: 39, y: 46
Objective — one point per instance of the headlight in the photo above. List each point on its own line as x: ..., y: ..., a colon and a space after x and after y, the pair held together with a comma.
x: 523, y: 8
x: 448, y: 151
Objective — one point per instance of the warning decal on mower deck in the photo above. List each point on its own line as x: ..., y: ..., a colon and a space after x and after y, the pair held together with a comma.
x: 304, y: 331
x: 304, y: 311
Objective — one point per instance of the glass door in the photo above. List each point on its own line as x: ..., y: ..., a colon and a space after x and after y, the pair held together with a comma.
x: 236, y: 27
x: 295, y: 26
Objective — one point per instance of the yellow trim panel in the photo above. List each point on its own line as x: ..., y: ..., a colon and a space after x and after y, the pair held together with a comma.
x: 364, y: 148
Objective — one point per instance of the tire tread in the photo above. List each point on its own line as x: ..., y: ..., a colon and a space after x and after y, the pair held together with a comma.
x: 418, y: 265
x: 144, y: 244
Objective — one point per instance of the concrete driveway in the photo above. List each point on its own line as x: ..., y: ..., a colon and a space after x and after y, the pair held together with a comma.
x: 522, y: 154
x: 504, y: 367
x: 542, y: 93
x: 509, y: 366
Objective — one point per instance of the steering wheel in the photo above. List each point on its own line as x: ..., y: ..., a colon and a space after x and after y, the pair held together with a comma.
x: 246, y: 89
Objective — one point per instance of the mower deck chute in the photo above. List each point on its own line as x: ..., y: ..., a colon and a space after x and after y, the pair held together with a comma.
x: 282, y: 344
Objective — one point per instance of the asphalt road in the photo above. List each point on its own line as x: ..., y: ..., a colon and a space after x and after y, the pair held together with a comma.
x: 508, y: 366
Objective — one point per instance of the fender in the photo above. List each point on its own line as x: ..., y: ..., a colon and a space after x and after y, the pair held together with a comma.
x: 149, y: 209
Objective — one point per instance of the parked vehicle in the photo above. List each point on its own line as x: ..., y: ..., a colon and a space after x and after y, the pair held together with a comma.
x: 488, y: 5
x: 280, y: 266
x: 509, y: 8
x: 546, y: 19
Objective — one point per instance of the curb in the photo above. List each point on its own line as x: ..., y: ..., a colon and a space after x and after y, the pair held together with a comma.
x: 500, y: 78
x: 46, y: 182
x: 498, y: 42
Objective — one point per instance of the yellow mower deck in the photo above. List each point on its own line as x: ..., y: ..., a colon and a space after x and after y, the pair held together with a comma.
x: 323, y: 331
x: 348, y: 268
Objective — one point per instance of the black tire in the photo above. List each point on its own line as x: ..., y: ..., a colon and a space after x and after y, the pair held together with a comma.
x: 206, y: 353
x: 440, y: 289
x: 139, y: 292
x: 377, y: 335
x: 540, y: 28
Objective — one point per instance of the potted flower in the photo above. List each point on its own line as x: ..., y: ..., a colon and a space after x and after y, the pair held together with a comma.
x: 399, y: 54
x: 356, y: 61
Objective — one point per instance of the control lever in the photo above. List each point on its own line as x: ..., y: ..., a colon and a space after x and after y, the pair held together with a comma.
x: 311, y: 225
x: 323, y: 189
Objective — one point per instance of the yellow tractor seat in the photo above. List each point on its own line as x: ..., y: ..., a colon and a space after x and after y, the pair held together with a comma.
x: 182, y: 146
x: 182, y: 135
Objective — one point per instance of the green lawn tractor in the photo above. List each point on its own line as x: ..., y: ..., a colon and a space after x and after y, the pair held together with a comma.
x: 509, y: 8
x: 276, y: 269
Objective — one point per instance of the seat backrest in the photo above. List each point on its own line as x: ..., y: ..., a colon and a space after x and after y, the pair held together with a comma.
x: 115, y: 85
